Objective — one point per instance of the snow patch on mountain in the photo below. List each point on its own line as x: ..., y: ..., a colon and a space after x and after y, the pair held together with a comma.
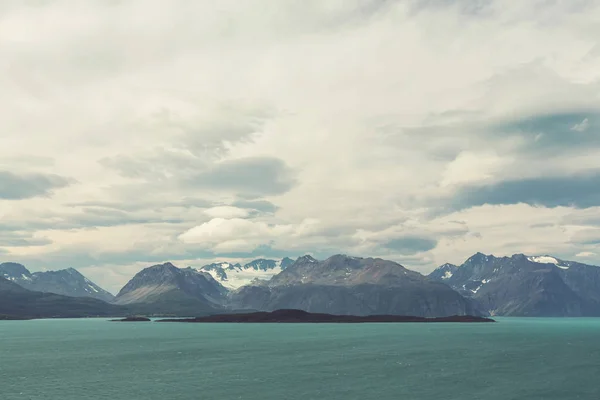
x: 543, y: 259
x: 547, y: 260
x: 233, y: 276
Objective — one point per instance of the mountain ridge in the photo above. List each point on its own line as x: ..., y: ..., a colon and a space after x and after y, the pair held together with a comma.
x: 16, y: 301
x: 352, y: 286
x: 522, y: 285
x: 66, y: 282
x: 517, y: 285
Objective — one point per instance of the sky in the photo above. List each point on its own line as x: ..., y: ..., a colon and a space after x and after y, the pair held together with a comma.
x: 138, y: 132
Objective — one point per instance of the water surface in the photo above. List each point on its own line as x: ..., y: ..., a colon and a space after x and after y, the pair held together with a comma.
x: 95, y: 359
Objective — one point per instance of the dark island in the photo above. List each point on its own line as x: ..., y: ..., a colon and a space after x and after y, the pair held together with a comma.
x: 13, y: 318
x: 131, y: 319
x: 299, y: 316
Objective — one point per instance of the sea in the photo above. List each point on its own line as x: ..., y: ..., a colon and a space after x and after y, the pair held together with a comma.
x: 514, y: 358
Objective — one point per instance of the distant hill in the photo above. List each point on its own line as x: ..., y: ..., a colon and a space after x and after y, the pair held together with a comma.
x: 18, y: 301
x: 68, y: 282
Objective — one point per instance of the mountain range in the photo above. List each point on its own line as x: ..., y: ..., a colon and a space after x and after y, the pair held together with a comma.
x: 18, y: 301
x: 518, y: 285
x: 68, y: 282
x: 346, y: 285
x: 523, y: 285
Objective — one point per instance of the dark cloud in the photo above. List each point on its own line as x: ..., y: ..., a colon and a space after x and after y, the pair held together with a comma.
x: 90, y: 217
x: 579, y: 191
x: 411, y: 244
x: 97, y: 217
x: 254, y: 176
x: 212, y: 138
x: 539, y: 135
x: 21, y: 239
x: 159, y: 165
x: 554, y: 133
x: 259, y: 205
x: 24, y: 186
x: 472, y: 7
x: 542, y: 225
x: 143, y: 203
x: 196, y: 144
x: 136, y: 212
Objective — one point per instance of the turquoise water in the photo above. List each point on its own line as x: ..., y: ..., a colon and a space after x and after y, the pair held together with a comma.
x: 95, y: 359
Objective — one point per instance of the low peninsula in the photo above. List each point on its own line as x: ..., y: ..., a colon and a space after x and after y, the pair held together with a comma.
x: 299, y: 316
x: 132, y: 319
x: 13, y: 318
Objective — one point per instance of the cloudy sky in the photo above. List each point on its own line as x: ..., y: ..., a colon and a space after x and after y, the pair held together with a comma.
x: 134, y: 132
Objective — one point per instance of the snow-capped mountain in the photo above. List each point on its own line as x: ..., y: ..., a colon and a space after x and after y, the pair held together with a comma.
x: 348, y: 285
x: 524, y: 285
x: 444, y: 272
x: 68, y: 282
x: 233, y: 276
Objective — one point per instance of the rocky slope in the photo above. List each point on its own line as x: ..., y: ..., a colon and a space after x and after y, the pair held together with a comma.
x: 352, y: 286
x: 166, y: 289
x: 523, y: 285
x: 68, y: 282
x: 234, y: 276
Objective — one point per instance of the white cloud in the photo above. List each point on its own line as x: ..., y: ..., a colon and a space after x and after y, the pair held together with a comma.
x: 585, y: 254
x: 344, y: 119
x: 469, y: 167
x: 218, y: 230
x: 238, y: 235
x: 582, y: 126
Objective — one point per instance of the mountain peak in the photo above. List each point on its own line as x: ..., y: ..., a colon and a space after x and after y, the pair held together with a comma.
x: 343, y: 257
x: 162, y: 282
x: 479, y: 258
x: 448, y: 265
x: 167, y: 266
x: 12, y: 270
x: 69, y: 271
x: 306, y: 259
x: 443, y: 272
